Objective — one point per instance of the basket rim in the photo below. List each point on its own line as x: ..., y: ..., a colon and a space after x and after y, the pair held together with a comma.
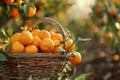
x: 27, y: 55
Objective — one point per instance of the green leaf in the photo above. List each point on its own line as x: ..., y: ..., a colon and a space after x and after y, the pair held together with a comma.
x: 8, y: 10
x: 82, y: 77
x: 10, y: 31
x: 4, y: 33
x: 80, y: 50
x: 1, y: 34
x: 2, y: 57
x: 53, y: 78
x: 83, y: 39
x: 8, y: 47
x: 27, y: 1
x: 25, y: 9
x: 30, y: 78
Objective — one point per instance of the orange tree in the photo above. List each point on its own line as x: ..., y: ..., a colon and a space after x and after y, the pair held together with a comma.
x: 106, y: 22
x: 102, y: 26
x: 16, y: 14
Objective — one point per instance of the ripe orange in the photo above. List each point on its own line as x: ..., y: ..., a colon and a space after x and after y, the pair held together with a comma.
x: 44, y: 34
x: 35, y: 32
x: 99, y: 9
x: 15, y: 12
x: 102, y: 20
x: 116, y: 57
x: 57, y: 45
x: 31, y: 49
x: 76, y: 58
x: 116, y: 1
x: 9, y: 1
x: 43, y: 1
x: 70, y: 45
x: 47, y: 45
x: 17, y: 47
x: 52, y: 33
x: 108, y: 35
x: 32, y: 11
x: 26, y: 37
x: 16, y: 19
x: 15, y: 37
x: 57, y: 36
x: 19, y: 2
x: 36, y: 41
x: 102, y: 54
x: 113, y: 11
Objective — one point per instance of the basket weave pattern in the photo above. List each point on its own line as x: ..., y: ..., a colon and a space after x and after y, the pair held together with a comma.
x: 3, y: 67
x: 41, y: 65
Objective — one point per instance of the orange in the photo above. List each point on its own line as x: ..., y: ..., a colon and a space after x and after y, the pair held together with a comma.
x: 35, y: 32
x: 26, y: 37
x: 47, y: 45
x: 31, y: 11
x: 99, y: 9
x: 116, y: 57
x: 57, y: 36
x: 15, y: 37
x: 52, y: 33
x: 31, y: 49
x: 108, y: 35
x: 16, y: 19
x: 116, y: 1
x: 15, y: 12
x: 44, y: 34
x: 9, y: 1
x: 36, y: 41
x: 19, y: 2
x: 76, y: 59
x: 113, y: 11
x: 102, y: 54
x: 102, y: 20
x: 70, y: 45
x: 17, y: 47
x: 57, y: 45
x: 43, y: 1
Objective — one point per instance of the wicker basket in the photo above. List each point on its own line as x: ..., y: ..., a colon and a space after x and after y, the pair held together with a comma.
x: 39, y: 65
x: 3, y: 67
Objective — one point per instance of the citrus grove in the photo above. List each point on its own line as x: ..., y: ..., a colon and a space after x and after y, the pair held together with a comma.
x: 41, y: 41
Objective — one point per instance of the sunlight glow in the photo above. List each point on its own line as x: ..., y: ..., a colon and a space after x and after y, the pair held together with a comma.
x: 81, y: 8
x: 117, y: 25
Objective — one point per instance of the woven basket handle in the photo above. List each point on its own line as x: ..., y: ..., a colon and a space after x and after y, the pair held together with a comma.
x: 51, y: 21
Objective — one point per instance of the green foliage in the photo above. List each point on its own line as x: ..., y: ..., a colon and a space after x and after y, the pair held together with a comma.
x: 2, y: 57
x: 25, y: 9
x: 30, y: 78
x: 9, y: 31
x: 53, y: 78
x: 82, y: 76
x: 8, y: 47
x: 83, y: 39
x: 106, y: 14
